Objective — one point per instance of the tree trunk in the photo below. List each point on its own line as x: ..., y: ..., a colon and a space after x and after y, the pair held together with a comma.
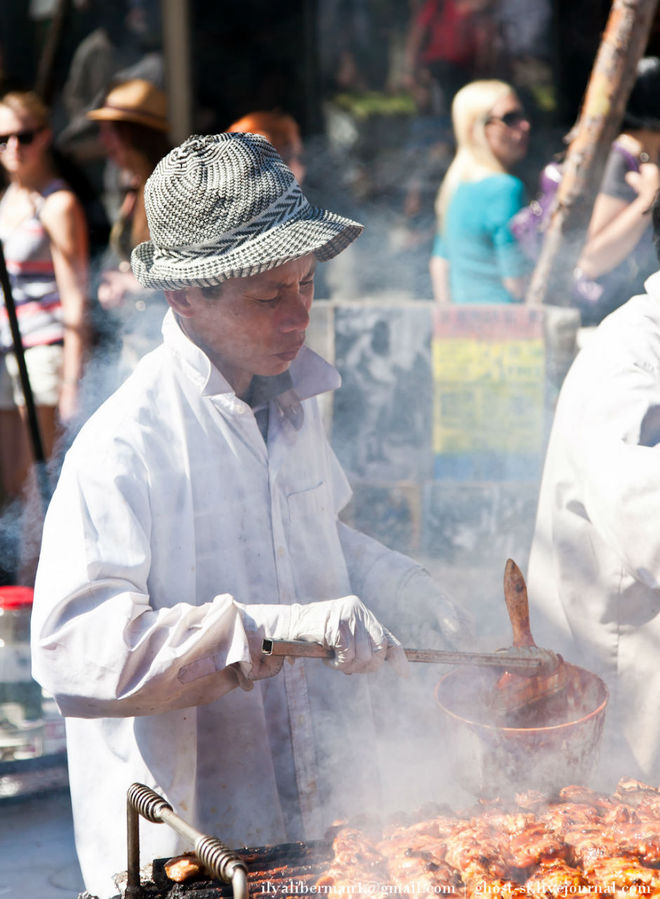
x: 613, y: 75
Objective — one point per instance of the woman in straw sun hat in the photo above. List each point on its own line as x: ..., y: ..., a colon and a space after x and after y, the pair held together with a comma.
x: 133, y: 130
x: 137, y: 101
x: 199, y: 510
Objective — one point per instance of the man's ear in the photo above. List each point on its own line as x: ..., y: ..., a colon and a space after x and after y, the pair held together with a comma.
x: 178, y: 300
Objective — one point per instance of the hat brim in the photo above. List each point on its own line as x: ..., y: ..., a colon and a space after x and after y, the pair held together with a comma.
x: 106, y: 114
x: 318, y: 231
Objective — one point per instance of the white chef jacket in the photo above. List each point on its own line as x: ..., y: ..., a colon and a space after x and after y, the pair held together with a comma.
x: 169, y: 508
x: 594, y: 569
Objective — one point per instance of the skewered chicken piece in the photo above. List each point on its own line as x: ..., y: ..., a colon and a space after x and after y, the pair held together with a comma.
x: 438, y: 827
x: 407, y: 845
x: 477, y: 887
x: 504, y: 822
x: 618, y: 874
x: 555, y: 878
x: 641, y: 843
x: 639, y: 795
x: 416, y: 858
x: 621, y: 816
x: 356, y: 861
x: 535, y: 844
x: 532, y: 801
x: 578, y: 794
x: 352, y: 847
x: 474, y: 851
x: 588, y: 845
x: 416, y: 871
x: 343, y: 881
x: 629, y: 784
x: 565, y: 816
x: 183, y: 867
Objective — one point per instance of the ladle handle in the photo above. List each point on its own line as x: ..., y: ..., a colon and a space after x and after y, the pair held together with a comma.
x: 508, y: 659
x: 515, y: 596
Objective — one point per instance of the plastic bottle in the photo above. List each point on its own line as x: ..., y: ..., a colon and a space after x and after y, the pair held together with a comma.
x: 21, y: 725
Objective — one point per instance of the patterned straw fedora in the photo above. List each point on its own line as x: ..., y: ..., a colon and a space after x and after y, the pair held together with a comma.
x: 136, y: 101
x: 226, y: 206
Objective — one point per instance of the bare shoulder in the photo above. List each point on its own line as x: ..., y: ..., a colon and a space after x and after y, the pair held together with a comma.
x: 61, y: 202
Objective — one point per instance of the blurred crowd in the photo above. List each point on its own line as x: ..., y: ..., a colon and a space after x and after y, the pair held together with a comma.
x: 450, y: 185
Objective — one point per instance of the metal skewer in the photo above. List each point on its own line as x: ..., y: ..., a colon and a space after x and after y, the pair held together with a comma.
x: 531, y: 659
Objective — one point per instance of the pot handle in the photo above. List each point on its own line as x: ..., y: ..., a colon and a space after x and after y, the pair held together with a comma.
x: 517, y: 604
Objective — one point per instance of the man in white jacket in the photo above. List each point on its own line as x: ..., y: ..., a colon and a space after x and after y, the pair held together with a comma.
x: 197, y: 513
x: 594, y: 569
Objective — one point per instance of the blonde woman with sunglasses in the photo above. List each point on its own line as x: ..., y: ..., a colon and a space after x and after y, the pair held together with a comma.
x: 475, y: 256
x: 44, y: 235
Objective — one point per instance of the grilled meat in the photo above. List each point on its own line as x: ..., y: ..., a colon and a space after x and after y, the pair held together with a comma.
x: 556, y: 878
x: 534, y: 844
x: 584, y: 844
x: 496, y: 887
x: 182, y: 867
x: 356, y: 865
x: 623, y: 876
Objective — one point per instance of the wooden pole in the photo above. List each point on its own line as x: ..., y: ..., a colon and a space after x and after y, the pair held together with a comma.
x: 44, y: 81
x: 613, y: 75
x: 178, y: 67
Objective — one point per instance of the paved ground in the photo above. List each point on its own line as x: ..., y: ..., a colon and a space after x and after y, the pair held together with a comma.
x: 36, y: 837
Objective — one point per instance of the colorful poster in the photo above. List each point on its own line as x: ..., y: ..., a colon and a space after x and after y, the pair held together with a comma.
x: 489, y: 386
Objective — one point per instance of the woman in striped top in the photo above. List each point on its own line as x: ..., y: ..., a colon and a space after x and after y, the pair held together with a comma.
x: 44, y: 235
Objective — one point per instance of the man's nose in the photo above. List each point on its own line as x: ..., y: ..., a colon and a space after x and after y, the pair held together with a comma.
x: 296, y: 314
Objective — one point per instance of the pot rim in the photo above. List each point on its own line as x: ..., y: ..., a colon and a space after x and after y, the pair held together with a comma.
x: 526, y: 730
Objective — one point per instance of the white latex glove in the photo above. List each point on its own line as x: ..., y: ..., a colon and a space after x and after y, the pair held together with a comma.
x: 359, y: 641
x: 346, y: 626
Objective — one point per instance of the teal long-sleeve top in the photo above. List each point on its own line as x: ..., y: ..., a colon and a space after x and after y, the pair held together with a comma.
x: 477, y: 242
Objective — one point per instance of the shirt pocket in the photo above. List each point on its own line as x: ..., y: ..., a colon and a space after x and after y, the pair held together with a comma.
x: 311, y: 501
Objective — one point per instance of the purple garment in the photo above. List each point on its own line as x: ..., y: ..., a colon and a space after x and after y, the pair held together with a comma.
x: 595, y: 297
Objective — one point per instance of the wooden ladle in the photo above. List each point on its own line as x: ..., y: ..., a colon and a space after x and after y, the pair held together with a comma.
x: 517, y: 691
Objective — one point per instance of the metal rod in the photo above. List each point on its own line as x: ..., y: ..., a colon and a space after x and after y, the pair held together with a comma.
x: 481, y: 659
x: 19, y: 352
x: 212, y: 852
x: 17, y: 341
x: 531, y: 661
x: 133, y: 888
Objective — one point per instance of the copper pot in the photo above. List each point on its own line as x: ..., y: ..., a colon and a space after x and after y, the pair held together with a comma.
x: 494, y: 758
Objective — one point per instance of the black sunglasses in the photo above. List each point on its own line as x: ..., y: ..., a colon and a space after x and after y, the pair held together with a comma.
x: 24, y: 138
x: 510, y: 119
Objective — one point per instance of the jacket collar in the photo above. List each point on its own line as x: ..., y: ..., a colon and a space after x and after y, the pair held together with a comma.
x: 652, y: 285
x: 310, y: 374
